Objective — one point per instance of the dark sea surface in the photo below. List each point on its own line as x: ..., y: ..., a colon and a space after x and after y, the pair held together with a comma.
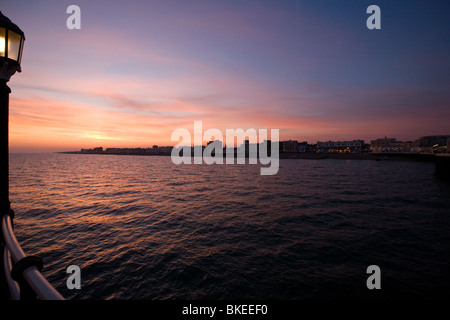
x: 143, y: 228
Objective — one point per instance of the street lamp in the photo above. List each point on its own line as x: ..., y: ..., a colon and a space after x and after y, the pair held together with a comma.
x: 11, y: 46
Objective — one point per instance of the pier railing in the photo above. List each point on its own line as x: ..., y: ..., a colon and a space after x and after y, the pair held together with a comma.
x: 23, y: 273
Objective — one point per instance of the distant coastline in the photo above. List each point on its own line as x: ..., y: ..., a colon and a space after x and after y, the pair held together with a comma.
x: 427, y: 148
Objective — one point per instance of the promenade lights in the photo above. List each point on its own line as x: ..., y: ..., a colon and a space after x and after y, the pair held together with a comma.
x: 11, y: 46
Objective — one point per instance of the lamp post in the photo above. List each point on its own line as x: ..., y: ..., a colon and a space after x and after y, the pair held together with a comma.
x: 11, y: 45
x: 26, y: 269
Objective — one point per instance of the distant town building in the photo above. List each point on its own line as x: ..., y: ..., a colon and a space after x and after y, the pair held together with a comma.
x: 93, y: 150
x: 248, y: 149
x: 354, y: 146
x: 391, y: 145
x: 428, y: 144
x: 112, y: 150
x: 304, y: 146
x: 165, y: 150
x: 430, y: 141
x: 289, y: 146
x: 130, y: 151
x: 382, y: 142
x: 218, y: 143
x: 266, y: 146
x: 398, y: 148
x: 437, y: 144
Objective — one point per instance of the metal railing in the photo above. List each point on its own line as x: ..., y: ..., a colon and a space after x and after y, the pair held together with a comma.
x: 24, y: 278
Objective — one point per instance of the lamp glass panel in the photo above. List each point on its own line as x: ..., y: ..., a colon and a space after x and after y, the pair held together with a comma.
x: 14, y: 40
x: 2, y: 42
x: 21, y: 50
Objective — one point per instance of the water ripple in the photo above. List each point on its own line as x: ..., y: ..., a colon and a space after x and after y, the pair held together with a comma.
x: 143, y: 228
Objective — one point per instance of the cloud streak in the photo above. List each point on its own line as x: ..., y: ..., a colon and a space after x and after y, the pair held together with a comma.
x: 135, y: 73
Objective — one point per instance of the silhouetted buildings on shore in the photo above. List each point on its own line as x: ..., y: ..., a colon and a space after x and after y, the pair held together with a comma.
x: 354, y: 146
x: 155, y: 150
x: 424, y: 145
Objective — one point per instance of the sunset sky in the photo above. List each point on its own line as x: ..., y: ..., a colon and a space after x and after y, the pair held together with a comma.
x: 138, y: 70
